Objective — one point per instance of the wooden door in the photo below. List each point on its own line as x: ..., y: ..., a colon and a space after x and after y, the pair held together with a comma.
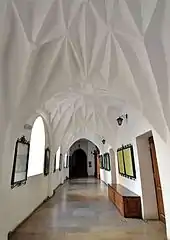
x: 156, y: 176
x: 98, y: 167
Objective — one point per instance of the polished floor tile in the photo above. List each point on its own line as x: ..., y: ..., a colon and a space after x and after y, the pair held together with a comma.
x: 81, y: 210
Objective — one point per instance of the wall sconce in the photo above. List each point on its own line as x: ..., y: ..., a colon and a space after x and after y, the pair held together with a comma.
x: 121, y: 118
x: 94, y: 152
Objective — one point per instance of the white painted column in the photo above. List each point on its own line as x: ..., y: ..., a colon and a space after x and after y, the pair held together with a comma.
x: 113, y: 165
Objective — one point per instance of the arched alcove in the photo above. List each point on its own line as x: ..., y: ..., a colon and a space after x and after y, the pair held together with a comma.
x: 78, y: 164
x: 37, y: 148
x: 57, y: 163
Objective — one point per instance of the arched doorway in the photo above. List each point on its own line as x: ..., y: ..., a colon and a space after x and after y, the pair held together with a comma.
x: 78, y: 164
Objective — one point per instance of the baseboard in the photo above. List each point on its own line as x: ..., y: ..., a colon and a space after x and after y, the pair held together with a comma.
x: 103, y: 182
x: 57, y: 188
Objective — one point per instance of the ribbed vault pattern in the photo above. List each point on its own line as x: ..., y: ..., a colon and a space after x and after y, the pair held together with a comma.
x: 82, y: 61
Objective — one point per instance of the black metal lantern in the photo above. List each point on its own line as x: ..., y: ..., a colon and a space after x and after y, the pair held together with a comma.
x: 121, y: 118
x: 119, y: 121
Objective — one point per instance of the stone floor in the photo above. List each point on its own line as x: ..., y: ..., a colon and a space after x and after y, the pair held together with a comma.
x: 80, y: 210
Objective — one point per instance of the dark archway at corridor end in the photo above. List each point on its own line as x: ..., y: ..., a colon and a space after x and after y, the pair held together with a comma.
x: 78, y: 164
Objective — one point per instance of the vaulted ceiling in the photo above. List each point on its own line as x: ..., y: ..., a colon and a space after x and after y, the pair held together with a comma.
x: 84, y: 61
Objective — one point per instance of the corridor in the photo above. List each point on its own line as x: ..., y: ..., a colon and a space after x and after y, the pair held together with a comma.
x: 80, y: 210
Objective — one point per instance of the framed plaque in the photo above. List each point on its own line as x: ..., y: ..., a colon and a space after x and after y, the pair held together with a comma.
x: 54, y: 169
x: 60, y: 162
x: 47, y: 162
x: 20, y: 165
x: 121, y: 164
x: 129, y: 161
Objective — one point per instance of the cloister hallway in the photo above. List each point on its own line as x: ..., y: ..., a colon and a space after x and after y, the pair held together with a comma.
x: 91, y: 75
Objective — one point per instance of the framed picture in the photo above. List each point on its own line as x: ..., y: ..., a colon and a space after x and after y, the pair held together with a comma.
x: 107, y: 162
x: 67, y: 162
x: 129, y: 161
x: 47, y: 162
x: 120, y: 159
x: 54, y: 169
x: 101, y: 162
x: 20, y: 165
x: 60, y: 162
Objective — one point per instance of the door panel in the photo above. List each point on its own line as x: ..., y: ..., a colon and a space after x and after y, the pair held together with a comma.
x: 98, y: 167
x: 157, y: 181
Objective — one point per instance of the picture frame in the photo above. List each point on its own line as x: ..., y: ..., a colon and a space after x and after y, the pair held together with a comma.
x: 47, y: 161
x: 67, y: 162
x: 60, y: 162
x: 101, y: 162
x: 20, y: 164
x: 121, y: 165
x: 107, y: 166
x: 54, y: 169
x: 129, y: 161
x: 126, y: 162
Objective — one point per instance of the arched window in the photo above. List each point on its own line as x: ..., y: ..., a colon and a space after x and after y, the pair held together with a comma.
x: 37, y: 148
x: 65, y: 160
x: 58, y: 158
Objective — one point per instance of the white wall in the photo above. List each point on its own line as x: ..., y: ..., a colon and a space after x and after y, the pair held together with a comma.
x: 105, y: 176
x: 128, y: 133
x: 16, y: 204
x: 113, y: 165
x: 24, y: 199
x: 56, y: 179
x: 19, y: 202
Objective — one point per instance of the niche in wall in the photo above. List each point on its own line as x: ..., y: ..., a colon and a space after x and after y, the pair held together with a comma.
x: 126, y: 163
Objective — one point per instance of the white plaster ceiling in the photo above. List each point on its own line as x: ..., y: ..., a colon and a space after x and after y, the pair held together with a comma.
x: 83, y: 61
